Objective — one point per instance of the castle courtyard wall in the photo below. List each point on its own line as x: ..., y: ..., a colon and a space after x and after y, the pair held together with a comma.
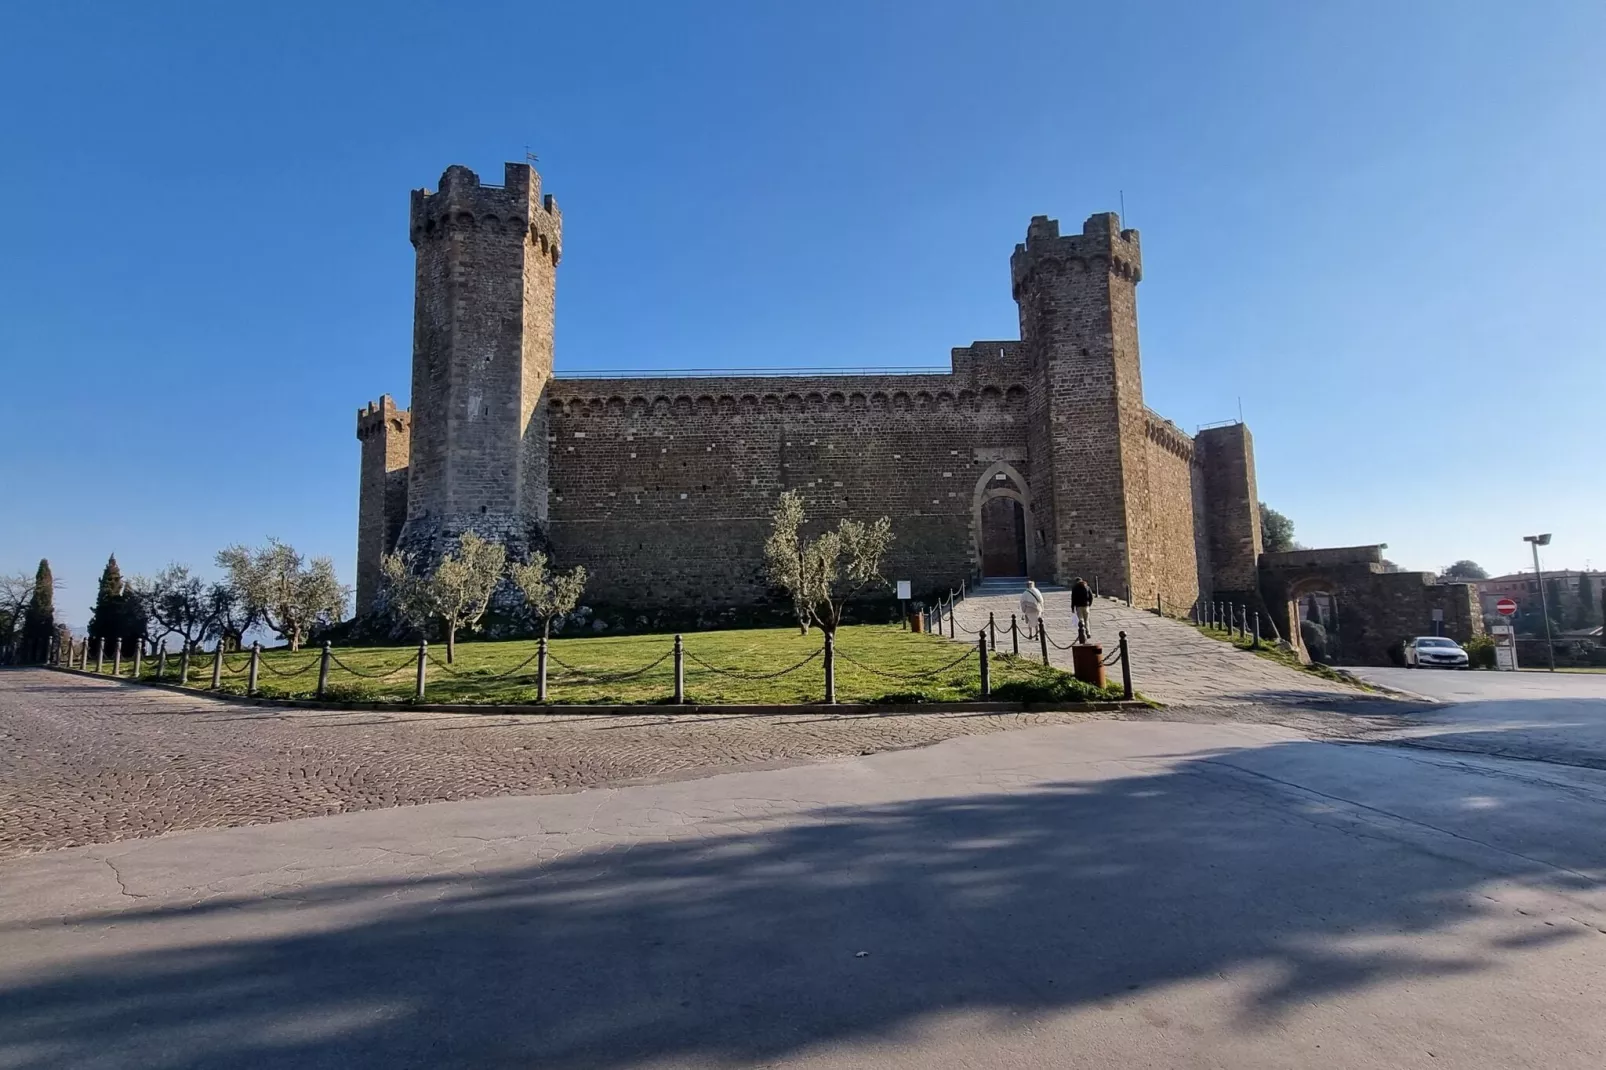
x: 1173, y: 563
x: 664, y: 489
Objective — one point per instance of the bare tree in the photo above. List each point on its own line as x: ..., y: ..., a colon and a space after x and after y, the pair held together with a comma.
x: 825, y: 573
x: 458, y: 591
x: 177, y: 602
x: 16, y: 591
x: 285, y: 592
x: 549, y: 593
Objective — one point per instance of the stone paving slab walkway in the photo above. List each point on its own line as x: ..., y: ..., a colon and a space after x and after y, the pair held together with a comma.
x: 1172, y: 662
x: 1210, y: 896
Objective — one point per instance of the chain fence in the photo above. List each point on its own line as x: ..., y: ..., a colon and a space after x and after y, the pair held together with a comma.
x: 546, y: 669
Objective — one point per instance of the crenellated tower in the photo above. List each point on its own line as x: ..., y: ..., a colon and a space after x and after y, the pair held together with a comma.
x: 385, y: 432
x: 487, y: 260
x: 1086, y: 424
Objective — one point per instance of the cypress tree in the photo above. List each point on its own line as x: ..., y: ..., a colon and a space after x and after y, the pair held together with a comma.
x: 39, y: 622
x: 115, y: 612
x: 1587, y: 607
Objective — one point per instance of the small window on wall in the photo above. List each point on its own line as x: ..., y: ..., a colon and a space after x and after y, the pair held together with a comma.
x: 1040, y: 540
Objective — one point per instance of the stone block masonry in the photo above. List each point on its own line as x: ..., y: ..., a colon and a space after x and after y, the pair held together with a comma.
x: 1035, y: 454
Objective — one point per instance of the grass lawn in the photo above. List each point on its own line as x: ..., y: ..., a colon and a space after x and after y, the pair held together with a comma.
x: 591, y: 670
x: 1271, y: 651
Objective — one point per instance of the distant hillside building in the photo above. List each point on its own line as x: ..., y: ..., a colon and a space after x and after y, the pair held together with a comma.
x: 1031, y: 457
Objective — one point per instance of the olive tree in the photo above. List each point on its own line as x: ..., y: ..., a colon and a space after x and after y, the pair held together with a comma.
x: 549, y: 593
x: 458, y: 590
x: 283, y: 590
x: 824, y: 573
x: 176, y: 603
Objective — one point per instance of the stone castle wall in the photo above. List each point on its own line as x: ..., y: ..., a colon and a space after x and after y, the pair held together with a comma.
x: 663, y: 489
x: 1173, y: 561
x: 1039, y: 450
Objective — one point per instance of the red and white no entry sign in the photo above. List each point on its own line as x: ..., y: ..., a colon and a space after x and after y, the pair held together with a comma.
x: 1506, y: 607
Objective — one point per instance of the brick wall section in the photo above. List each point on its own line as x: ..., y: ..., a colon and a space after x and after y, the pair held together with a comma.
x: 482, y: 355
x: 385, y: 433
x: 1078, y: 312
x: 663, y: 488
x: 1171, y: 535
x: 1231, y: 508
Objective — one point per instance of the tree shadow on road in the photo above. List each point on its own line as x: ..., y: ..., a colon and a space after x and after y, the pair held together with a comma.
x: 743, y: 946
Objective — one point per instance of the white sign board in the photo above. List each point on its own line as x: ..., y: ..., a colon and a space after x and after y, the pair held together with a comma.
x: 1505, y: 647
x: 903, y: 590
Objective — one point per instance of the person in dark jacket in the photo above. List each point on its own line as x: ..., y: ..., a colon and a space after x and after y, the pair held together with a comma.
x: 1081, y: 604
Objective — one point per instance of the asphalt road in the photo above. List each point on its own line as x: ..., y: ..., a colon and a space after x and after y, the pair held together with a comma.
x: 1541, y: 716
x: 1132, y: 894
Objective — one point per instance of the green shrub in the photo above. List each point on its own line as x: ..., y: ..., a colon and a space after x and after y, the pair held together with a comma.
x: 1061, y: 687
x: 1480, y: 651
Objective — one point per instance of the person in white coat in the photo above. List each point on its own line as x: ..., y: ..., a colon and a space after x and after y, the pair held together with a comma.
x: 1031, y: 606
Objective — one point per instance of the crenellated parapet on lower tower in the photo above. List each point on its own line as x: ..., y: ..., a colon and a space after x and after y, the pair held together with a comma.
x: 385, y: 432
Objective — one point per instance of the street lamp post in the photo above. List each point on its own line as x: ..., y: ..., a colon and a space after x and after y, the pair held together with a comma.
x: 1536, y: 541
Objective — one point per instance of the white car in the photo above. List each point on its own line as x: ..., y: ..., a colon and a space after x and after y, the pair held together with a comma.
x: 1427, y: 650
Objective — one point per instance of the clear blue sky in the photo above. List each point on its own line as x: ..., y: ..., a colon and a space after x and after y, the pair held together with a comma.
x: 1380, y: 225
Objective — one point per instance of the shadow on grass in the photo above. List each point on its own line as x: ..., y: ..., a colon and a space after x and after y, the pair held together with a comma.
x: 744, y: 947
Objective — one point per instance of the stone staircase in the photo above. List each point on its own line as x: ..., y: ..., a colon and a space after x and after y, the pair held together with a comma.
x: 1172, y: 662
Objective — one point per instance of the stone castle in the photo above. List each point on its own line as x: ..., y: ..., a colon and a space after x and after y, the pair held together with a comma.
x: 1031, y: 457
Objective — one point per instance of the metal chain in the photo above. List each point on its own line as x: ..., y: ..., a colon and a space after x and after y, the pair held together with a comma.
x: 232, y: 669
x: 738, y: 674
x: 608, y: 678
x: 441, y: 665
x: 905, y: 676
x: 374, y: 675
x: 268, y: 665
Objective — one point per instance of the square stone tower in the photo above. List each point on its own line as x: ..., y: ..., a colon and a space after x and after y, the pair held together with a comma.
x: 487, y: 261
x: 1087, y: 428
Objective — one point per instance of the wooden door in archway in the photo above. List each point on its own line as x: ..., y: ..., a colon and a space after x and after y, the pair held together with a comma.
x: 1003, y: 537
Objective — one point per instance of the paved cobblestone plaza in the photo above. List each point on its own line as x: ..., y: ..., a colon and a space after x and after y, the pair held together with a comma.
x: 84, y: 761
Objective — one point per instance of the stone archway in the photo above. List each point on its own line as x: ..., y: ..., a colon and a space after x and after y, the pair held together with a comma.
x: 1001, y: 517
x: 1312, y: 614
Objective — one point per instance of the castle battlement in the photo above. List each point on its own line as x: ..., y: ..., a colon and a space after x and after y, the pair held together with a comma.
x: 464, y: 204
x: 374, y: 418
x: 1102, y: 242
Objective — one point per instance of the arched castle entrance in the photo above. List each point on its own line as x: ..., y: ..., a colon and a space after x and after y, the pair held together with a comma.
x: 1001, y: 516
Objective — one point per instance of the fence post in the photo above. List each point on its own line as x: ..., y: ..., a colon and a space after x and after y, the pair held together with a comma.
x: 992, y: 632
x: 1159, y: 604
x: 323, y: 670
x: 217, y: 664
x: 184, y: 665
x: 680, y: 671
x: 256, y: 661
x: 540, y: 670
x: 1042, y: 637
x: 986, y: 675
x: 951, y: 625
x: 1014, y: 635
x: 1126, y: 670
x: 830, y: 670
x: 1257, y: 630
x: 117, y: 657
x: 139, y: 656
x: 161, y: 661
x: 100, y: 645
x: 423, y: 658
x: 1242, y: 613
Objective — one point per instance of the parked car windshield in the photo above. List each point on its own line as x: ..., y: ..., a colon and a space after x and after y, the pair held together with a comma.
x: 1438, y: 642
